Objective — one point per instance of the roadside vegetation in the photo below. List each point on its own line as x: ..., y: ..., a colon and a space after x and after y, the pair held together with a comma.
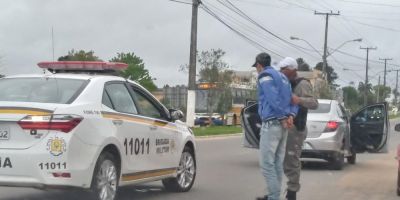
x: 216, y: 130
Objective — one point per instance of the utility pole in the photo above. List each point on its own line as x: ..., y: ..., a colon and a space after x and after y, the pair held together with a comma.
x: 384, y: 75
x: 366, y: 74
x: 191, y: 93
x: 325, y: 63
x: 397, y: 83
x: 379, y: 86
x: 52, y: 41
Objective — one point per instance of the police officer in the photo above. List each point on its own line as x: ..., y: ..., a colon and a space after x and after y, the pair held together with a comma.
x: 302, y: 96
x: 276, y: 113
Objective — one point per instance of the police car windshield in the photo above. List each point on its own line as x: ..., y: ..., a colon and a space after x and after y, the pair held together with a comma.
x: 40, y: 90
x: 322, y: 108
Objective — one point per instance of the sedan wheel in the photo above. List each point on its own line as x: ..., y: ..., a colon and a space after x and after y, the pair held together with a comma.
x: 186, y: 173
x: 105, y: 179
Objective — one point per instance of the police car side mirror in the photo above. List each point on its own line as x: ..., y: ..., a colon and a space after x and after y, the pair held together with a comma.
x: 176, y: 114
x: 397, y: 128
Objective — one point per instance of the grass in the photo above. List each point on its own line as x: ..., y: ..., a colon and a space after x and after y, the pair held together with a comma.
x: 216, y: 130
x: 394, y: 116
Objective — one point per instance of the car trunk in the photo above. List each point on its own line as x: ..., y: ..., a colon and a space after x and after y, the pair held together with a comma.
x: 316, y: 124
x: 12, y: 136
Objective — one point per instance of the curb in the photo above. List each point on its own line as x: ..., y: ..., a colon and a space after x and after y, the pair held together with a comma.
x: 218, y: 136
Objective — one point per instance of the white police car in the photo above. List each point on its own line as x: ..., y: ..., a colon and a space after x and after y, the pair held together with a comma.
x: 78, y: 127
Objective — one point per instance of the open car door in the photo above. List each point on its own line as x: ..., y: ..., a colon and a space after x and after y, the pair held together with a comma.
x: 369, y: 128
x: 251, y: 124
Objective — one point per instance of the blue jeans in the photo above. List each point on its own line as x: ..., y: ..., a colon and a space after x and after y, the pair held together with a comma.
x: 272, y: 153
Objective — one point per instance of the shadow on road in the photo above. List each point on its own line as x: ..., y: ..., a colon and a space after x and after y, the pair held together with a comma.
x: 315, y: 165
x: 125, y: 193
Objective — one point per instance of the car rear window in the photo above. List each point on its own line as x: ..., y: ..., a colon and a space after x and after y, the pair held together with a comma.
x: 322, y: 108
x: 41, y: 90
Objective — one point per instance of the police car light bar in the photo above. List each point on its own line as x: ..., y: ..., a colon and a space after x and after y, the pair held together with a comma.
x: 83, y: 65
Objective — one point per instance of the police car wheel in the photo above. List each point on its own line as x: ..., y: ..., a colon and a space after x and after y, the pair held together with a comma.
x: 105, y: 178
x: 186, y: 173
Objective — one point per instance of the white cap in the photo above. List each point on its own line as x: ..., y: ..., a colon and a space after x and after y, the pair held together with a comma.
x: 288, y: 62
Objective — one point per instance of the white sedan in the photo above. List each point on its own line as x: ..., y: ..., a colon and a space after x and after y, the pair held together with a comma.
x: 80, y: 127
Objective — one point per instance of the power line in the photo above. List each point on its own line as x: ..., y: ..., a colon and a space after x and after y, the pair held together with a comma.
x: 362, y: 58
x: 183, y: 2
x: 254, y: 43
x: 374, y: 26
x: 244, y: 26
x: 370, y: 3
x: 238, y: 11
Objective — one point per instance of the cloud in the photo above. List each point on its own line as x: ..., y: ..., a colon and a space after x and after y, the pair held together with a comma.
x: 159, y: 31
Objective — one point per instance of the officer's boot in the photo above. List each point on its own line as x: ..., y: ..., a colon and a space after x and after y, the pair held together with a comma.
x: 291, y: 195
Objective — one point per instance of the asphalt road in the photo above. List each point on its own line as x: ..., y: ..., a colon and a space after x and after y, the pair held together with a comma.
x: 227, y: 171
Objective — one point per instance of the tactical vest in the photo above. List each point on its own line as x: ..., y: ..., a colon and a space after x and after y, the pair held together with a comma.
x: 300, y: 121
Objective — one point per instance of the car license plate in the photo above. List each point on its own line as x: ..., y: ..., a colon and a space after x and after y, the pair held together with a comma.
x: 4, y: 133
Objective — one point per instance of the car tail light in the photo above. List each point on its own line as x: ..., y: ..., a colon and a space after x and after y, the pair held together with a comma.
x: 331, y: 126
x: 63, y: 123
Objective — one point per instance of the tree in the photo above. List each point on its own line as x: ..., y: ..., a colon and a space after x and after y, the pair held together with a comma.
x: 332, y: 75
x: 80, y: 55
x: 136, y: 70
x: 370, y: 96
x: 382, y: 91
x: 351, y: 96
x: 302, y: 65
x: 1, y: 76
x: 214, y: 71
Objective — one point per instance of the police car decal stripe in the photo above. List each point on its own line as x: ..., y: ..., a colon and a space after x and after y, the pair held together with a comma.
x: 148, y: 174
x: 138, y: 119
x: 22, y: 110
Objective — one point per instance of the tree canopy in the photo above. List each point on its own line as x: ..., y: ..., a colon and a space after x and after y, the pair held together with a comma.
x: 136, y: 70
x: 80, y: 55
x: 332, y: 75
x: 215, y: 71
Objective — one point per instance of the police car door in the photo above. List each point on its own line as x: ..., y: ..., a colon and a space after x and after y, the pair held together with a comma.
x: 369, y: 128
x: 132, y: 132
x: 166, y: 136
x: 251, y: 124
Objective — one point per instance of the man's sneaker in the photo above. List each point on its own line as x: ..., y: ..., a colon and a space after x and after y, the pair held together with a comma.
x: 262, y: 198
x: 291, y: 195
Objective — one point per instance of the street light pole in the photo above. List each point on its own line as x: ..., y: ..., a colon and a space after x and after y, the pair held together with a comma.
x: 191, y: 93
x: 340, y: 46
x: 325, y: 63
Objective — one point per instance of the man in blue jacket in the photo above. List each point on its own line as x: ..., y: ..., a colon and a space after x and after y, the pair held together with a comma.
x: 276, y: 113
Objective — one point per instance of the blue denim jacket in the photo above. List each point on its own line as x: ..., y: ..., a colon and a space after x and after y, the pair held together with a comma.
x: 274, y: 95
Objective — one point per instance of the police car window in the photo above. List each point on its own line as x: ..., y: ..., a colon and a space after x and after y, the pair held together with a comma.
x: 146, y: 107
x: 107, y: 101
x: 120, y: 98
x: 40, y: 90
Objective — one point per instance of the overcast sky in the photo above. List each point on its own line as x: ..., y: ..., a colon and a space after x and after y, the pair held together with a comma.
x: 159, y: 31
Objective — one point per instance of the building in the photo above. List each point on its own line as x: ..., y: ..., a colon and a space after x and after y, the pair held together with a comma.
x: 175, y: 97
x: 243, y: 87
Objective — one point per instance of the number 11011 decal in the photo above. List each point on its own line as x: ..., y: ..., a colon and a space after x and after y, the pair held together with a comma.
x: 53, y: 165
x: 137, y: 146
